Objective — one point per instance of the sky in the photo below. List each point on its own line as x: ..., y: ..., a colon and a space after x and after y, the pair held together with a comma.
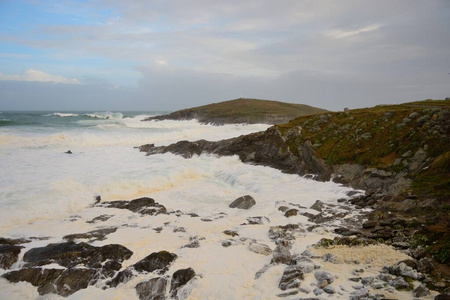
x: 163, y: 55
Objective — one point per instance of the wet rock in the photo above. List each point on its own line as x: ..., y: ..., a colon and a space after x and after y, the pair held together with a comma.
x: 6, y: 241
x: 71, y: 254
x: 421, y: 291
x: 292, y: 277
x: 9, y: 255
x: 95, y: 235
x: 101, y: 218
x: 63, y: 282
x: 291, y: 212
x: 281, y: 255
x: 287, y: 294
x: 318, y: 205
x: 283, y: 208
x: 231, y: 233
x: 144, y: 206
x: 324, y: 275
x: 179, y: 279
x: 244, y: 202
x: 260, y: 248
x: 153, y: 289
x: 156, y: 262
x: 368, y: 225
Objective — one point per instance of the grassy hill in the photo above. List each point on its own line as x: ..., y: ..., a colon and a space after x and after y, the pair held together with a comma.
x: 243, y: 111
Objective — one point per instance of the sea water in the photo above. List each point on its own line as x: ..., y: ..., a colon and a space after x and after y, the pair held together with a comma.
x: 46, y: 194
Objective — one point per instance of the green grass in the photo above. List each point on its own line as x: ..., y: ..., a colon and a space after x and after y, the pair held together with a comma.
x: 247, y: 110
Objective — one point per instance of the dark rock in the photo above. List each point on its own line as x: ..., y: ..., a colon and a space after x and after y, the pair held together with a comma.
x: 145, y: 206
x: 179, y: 279
x: 153, y: 289
x: 262, y: 148
x: 95, y: 235
x: 6, y: 241
x: 231, y: 233
x: 292, y: 277
x: 121, y: 277
x: 283, y: 208
x: 155, y: 261
x: 71, y: 254
x: 8, y: 255
x: 63, y: 282
x: 421, y: 291
x: 68, y: 152
x: 226, y: 244
x: 101, y: 218
x: 287, y: 294
x: 244, y: 202
x: 318, y: 205
x: 291, y: 212
x: 442, y: 297
x: 368, y: 225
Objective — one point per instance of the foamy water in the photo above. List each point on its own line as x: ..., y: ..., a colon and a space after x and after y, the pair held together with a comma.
x: 47, y: 193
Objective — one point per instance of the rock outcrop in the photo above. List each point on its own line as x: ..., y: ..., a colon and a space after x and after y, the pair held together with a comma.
x: 81, y: 265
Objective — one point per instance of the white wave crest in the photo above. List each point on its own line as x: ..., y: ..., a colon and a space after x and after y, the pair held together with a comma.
x: 105, y: 115
x: 58, y: 114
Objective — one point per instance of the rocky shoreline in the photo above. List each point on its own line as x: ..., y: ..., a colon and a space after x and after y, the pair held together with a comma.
x: 398, y: 216
x: 373, y: 270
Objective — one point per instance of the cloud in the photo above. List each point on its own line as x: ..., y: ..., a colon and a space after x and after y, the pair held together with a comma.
x: 339, y: 34
x: 38, y: 76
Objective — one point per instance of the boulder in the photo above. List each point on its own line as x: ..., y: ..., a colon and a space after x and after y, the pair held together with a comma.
x: 179, y: 279
x: 244, y: 202
x: 324, y: 275
x: 153, y: 289
x: 292, y: 277
x: 260, y: 248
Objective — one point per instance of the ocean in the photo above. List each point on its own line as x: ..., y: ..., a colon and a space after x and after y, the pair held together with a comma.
x: 46, y: 194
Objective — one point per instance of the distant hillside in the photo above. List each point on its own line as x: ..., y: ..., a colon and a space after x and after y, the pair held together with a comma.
x: 245, y: 110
